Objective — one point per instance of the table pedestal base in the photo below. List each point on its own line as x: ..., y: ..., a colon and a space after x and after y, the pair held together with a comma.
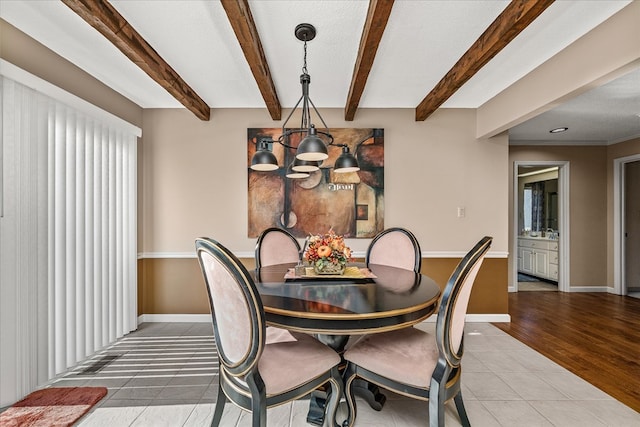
x: 317, y: 403
x: 369, y: 392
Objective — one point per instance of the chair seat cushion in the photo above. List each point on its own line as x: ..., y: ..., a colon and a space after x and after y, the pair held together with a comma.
x: 291, y: 359
x: 407, y: 355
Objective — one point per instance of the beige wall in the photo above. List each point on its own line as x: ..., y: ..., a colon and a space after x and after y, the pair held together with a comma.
x: 590, y: 205
x: 610, y: 50
x: 617, y: 151
x: 195, y: 178
x: 193, y: 182
x: 26, y: 53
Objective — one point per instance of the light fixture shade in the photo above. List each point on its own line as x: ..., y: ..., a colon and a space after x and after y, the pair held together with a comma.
x: 305, y: 165
x: 312, y: 147
x: 296, y: 174
x: 346, y: 162
x: 264, y: 160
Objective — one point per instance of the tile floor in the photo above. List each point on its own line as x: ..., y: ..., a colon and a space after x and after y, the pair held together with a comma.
x: 531, y: 283
x: 162, y: 375
x: 537, y: 286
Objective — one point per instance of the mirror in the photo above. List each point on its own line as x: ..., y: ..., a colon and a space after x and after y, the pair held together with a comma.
x: 539, y: 202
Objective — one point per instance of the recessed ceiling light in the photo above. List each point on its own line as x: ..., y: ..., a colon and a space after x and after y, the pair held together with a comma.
x: 558, y: 130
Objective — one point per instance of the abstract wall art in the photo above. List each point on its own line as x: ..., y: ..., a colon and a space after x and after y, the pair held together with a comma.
x: 352, y: 204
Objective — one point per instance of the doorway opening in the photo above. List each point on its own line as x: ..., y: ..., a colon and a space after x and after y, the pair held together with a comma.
x: 540, y: 226
x: 626, y: 225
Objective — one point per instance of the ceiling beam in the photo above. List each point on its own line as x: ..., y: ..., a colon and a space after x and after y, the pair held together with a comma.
x: 241, y: 20
x: 375, y: 24
x: 513, y: 19
x: 102, y: 16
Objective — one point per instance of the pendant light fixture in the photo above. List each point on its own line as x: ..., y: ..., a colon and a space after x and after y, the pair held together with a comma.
x: 305, y: 165
x: 294, y: 174
x: 346, y: 162
x: 313, y: 148
x: 263, y: 159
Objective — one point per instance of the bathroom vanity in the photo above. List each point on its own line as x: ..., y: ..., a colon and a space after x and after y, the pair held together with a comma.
x: 538, y: 256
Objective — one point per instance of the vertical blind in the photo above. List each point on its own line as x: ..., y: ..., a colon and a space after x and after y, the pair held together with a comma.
x: 68, y: 251
x: 92, y: 236
x: 23, y: 241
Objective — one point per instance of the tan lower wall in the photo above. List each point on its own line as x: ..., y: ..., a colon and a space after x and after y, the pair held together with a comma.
x: 171, y: 286
x: 176, y: 286
x: 489, y: 294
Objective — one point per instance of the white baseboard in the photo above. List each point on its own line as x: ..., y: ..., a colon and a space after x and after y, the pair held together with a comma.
x: 579, y: 289
x: 174, y: 318
x: 478, y: 318
x: 588, y: 289
x: 486, y: 318
x: 203, y: 318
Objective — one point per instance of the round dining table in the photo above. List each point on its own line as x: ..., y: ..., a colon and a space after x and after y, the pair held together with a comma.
x: 380, y: 299
x: 369, y: 299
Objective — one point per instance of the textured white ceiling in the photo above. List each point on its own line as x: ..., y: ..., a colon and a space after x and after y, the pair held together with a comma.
x: 604, y: 115
x: 423, y: 39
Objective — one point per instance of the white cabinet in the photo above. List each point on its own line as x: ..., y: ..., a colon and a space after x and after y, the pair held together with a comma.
x: 525, y: 259
x: 538, y: 257
x: 541, y: 263
x: 553, y: 261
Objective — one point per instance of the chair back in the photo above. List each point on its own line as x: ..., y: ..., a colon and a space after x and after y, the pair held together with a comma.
x: 236, y: 308
x: 395, y: 247
x: 276, y: 246
x: 454, y: 302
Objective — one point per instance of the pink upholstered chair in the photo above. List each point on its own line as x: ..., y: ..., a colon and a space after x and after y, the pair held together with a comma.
x: 276, y: 246
x: 395, y: 247
x: 416, y: 363
x: 259, y: 367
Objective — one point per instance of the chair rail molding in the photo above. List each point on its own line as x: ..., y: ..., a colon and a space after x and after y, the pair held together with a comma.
x: 356, y: 254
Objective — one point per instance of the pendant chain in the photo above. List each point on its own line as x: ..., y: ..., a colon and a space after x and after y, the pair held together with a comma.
x: 304, y: 67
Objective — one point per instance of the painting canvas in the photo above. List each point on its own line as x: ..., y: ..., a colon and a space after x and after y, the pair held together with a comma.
x: 352, y: 204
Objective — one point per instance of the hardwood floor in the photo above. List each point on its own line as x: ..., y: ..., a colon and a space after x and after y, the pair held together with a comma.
x: 594, y: 335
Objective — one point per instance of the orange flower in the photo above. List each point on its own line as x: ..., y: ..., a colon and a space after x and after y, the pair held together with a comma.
x: 324, y: 251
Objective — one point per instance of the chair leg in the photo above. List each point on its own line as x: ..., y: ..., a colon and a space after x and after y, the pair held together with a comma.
x: 258, y: 400
x: 334, y: 399
x: 220, y: 401
x: 436, y: 404
x: 259, y: 414
x: 462, y: 412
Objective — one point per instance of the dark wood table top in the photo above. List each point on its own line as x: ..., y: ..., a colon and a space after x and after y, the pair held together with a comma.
x: 395, y: 299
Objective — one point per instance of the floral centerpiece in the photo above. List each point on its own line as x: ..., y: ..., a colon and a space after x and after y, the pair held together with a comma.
x: 327, y: 253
